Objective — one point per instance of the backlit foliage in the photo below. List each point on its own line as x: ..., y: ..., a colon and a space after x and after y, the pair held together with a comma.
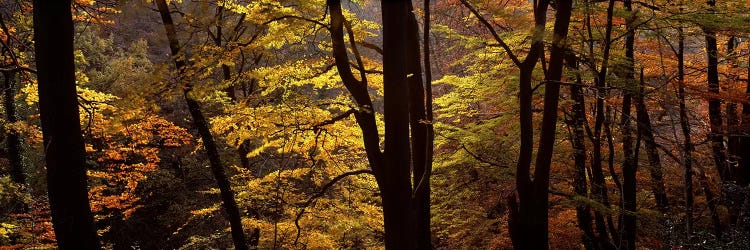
x: 264, y: 76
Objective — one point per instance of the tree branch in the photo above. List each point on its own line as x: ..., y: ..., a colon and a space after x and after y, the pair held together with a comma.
x: 493, y: 32
x: 320, y: 194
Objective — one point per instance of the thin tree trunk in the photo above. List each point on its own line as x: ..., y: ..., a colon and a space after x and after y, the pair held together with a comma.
x: 714, y: 103
x: 217, y: 168
x: 615, y: 232
x: 244, y: 146
x: 655, y: 168
x: 687, y: 157
x: 733, y: 123
x: 422, y: 184
x: 577, y: 121
x: 714, y: 115
x: 711, y: 201
x: 744, y: 172
x: 630, y: 164
x: 598, y: 186
x: 13, y: 139
x: 61, y: 128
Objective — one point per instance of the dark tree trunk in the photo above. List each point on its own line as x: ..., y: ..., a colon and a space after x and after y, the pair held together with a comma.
x: 392, y: 168
x: 733, y: 140
x: 13, y: 139
x: 365, y: 116
x: 687, y: 150
x: 630, y: 164
x: 715, y: 119
x: 714, y: 103
x: 217, y: 168
x: 242, y: 150
x: 744, y: 156
x: 598, y: 185
x: 733, y: 123
x: 421, y: 127
x: 522, y: 219
x: 529, y: 220
x: 396, y: 186
x: 711, y: 201
x: 577, y: 139
x: 647, y: 133
x: 63, y: 142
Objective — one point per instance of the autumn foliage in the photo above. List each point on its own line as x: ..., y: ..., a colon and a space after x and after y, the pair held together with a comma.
x: 286, y: 125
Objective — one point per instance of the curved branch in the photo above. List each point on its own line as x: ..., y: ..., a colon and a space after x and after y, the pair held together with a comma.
x: 371, y: 46
x: 493, y: 32
x: 335, y: 119
x: 299, y: 18
x: 320, y: 194
x: 355, y: 51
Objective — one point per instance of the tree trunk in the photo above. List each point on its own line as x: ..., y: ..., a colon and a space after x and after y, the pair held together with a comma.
x: 396, y: 191
x: 392, y: 168
x: 714, y: 103
x: 711, y: 201
x: 630, y: 164
x: 647, y: 133
x: 687, y: 158
x: 715, y: 117
x: 217, y: 168
x: 744, y: 171
x: 422, y: 98
x: 733, y: 123
x: 13, y: 139
x: 63, y: 143
x: 598, y: 186
x: 522, y: 218
x: 529, y: 220
x: 577, y: 121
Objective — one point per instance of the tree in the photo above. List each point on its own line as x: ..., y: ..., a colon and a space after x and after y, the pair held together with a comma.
x: 13, y: 139
x: 714, y: 103
x: 404, y: 157
x: 200, y: 122
x: 529, y: 219
x: 630, y: 161
x: 63, y: 143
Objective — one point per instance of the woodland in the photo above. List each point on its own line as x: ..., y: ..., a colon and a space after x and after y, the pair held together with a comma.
x: 364, y: 124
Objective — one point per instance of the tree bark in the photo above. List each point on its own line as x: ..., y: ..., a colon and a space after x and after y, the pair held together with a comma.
x: 217, y: 168
x: 63, y: 143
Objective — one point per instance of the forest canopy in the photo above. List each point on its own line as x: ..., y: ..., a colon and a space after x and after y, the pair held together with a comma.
x: 363, y: 124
